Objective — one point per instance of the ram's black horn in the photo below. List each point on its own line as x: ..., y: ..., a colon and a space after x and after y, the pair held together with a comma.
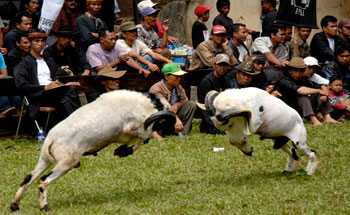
x: 225, y: 116
x: 209, y: 102
x: 161, y: 119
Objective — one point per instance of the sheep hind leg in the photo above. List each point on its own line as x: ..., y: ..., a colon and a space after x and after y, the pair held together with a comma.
x: 293, y: 159
x: 60, y: 169
x: 40, y: 167
x: 312, y: 162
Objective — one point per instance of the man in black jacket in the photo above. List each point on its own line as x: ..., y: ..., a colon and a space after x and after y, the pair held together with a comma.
x: 36, y: 77
x: 324, y: 43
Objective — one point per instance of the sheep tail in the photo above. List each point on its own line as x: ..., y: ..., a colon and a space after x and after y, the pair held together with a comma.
x: 46, y: 150
x: 161, y: 119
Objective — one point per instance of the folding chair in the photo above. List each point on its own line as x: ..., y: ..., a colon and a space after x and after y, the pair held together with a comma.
x: 48, y: 110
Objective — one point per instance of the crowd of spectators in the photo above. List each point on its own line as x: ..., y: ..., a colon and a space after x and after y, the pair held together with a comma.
x: 316, y: 77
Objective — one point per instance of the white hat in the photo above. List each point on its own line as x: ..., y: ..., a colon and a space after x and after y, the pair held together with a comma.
x: 311, y: 61
x: 143, y: 4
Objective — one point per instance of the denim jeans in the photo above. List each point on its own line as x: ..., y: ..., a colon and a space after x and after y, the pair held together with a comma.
x: 147, y: 57
x: 9, y: 101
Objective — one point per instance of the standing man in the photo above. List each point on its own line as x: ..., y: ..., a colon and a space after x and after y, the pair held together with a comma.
x: 88, y: 25
x: 68, y: 15
x: 300, y: 47
x: 200, y: 32
x: 324, y: 44
x: 206, y: 51
x: 272, y: 47
x: 171, y: 89
x: 36, y: 77
x: 107, y: 52
x: 239, y: 34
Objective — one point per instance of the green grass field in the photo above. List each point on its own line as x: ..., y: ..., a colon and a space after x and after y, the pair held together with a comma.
x: 185, y: 176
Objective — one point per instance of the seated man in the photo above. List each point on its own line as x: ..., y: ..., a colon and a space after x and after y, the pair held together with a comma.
x: 107, y: 79
x: 170, y: 89
x: 138, y: 49
x: 300, y: 47
x: 272, y: 46
x: 305, y: 96
x: 206, y: 51
x: 310, y: 71
x: 216, y: 80
x: 16, y: 55
x: 36, y: 77
x: 344, y: 30
x: 23, y: 22
x: 8, y: 104
x: 147, y: 35
x: 107, y: 52
x: 324, y: 43
x: 340, y: 66
x: 64, y: 54
x: 236, y: 44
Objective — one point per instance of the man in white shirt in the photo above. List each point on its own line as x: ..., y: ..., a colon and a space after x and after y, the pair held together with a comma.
x: 138, y: 49
x: 37, y: 79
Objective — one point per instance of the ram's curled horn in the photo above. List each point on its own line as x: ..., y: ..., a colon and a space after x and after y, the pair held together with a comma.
x: 209, y: 100
x: 201, y: 106
x: 162, y: 118
x: 227, y: 115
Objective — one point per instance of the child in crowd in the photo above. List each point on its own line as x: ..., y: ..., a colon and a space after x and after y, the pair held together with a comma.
x: 199, y: 30
x: 339, y: 100
x: 223, y: 6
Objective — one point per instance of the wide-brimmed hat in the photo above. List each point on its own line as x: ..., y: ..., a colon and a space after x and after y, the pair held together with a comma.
x: 297, y: 62
x: 148, y: 11
x: 247, y: 66
x: 65, y: 30
x: 172, y: 69
x: 127, y: 26
x: 109, y: 72
x: 144, y: 4
x: 222, y: 58
x: 311, y: 61
x: 201, y: 9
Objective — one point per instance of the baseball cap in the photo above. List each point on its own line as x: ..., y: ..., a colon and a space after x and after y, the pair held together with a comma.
x: 109, y: 72
x: 311, y: 61
x: 173, y: 69
x: 127, y: 26
x: 220, y: 58
x: 201, y: 9
x: 219, y: 29
x: 148, y: 11
x: 298, y: 63
x: 144, y: 4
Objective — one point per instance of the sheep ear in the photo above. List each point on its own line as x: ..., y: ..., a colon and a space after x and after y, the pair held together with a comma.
x: 201, y: 106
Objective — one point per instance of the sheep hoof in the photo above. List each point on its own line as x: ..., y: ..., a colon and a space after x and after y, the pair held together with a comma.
x: 78, y: 165
x: 248, y: 153
x: 45, y: 208
x: 123, y: 151
x: 14, y: 207
x: 286, y: 172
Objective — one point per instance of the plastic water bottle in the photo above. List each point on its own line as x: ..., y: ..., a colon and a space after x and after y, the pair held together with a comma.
x: 41, y: 137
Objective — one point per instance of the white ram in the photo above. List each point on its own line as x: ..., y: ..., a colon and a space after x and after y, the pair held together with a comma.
x: 121, y: 116
x: 242, y: 112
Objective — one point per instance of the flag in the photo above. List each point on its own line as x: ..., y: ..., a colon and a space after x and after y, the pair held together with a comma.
x: 300, y: 13
x: 49, y: 13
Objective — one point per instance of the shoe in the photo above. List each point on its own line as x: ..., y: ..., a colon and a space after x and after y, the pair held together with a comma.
x: 8, y: 112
